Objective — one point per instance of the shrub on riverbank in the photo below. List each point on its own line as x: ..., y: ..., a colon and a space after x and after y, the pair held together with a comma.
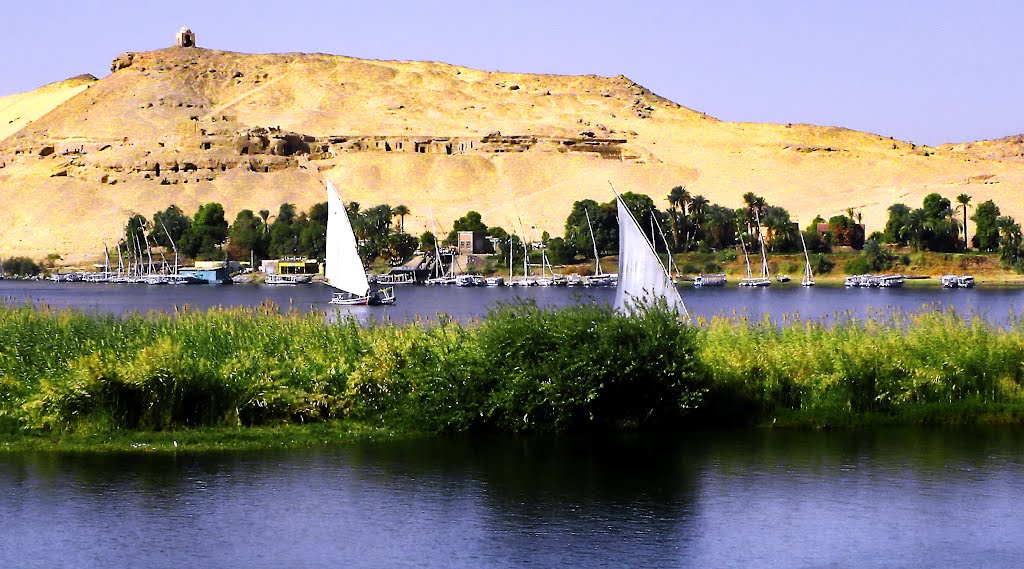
x: 526, y: 368
x: 522, y: 368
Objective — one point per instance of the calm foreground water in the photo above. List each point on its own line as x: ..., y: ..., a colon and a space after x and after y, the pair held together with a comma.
x: 881, y: 498
x: 889, y: 498
x: 995, y: 304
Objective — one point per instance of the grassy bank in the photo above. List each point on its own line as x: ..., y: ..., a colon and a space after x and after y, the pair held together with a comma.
x: 199, y: 439
x: 261, y: 378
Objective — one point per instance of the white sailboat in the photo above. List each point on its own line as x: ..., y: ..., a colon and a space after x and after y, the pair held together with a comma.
x: 527, y: 280
x: 343, y: 267
x: 547, y: 272
x: 642, y: 276
x: 673, y: 270
x: 808, y: 279
x: 765, y: 274
x: 765, y: 278
x: 751, y: 280
x: 599, y: 278
x: 442, y: 276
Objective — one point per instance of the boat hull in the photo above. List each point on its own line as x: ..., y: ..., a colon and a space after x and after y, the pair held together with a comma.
x: 382, y: 297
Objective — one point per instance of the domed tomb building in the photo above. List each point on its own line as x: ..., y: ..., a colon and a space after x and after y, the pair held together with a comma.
x: 185, y: 38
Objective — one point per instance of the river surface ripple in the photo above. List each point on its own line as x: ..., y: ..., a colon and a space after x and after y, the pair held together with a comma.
x: 878, y: 498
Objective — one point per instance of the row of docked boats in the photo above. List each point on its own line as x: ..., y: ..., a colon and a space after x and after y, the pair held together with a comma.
x: 126, y: 278
x: 895, y: 281
x: 874, y: 281
x: 468, y: 280
x: 765, y: 278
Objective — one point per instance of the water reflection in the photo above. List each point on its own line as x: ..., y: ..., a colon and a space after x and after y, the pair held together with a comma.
x: 939, y: 497
x: 997, y: 305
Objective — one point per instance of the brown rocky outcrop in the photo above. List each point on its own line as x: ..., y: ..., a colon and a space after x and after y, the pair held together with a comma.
x: 122, y: 61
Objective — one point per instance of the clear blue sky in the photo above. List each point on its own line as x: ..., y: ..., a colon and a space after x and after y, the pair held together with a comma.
x: 927, y: 71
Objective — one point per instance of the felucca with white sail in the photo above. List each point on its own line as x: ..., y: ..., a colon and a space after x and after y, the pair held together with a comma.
x: 343, y: 267
x: 642, y: 276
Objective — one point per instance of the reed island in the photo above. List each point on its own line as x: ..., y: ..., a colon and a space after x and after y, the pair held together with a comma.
x: 259, y: 378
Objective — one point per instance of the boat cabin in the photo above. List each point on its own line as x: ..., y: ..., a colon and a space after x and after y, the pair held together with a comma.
x: 290, y: 266
x: 211, y: 275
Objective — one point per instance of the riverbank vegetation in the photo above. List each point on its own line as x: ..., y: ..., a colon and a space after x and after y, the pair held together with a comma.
x: 73, y: 376
x: 690, y: 228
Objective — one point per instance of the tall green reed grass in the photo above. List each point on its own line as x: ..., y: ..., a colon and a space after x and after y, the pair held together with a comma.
x: 880, y: 364
x: 521, y: 368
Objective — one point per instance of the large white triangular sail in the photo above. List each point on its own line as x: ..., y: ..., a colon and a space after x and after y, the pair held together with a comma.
x: 641, y: 274
x: 343, y: 267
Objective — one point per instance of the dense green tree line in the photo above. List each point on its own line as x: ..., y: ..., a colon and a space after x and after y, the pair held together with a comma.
x: 690, y: 223
x: 937, y: 226
x: 290, y: 233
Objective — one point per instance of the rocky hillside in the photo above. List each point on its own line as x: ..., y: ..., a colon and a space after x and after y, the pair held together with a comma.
x: 189, y: 126
x: 1009, y: 148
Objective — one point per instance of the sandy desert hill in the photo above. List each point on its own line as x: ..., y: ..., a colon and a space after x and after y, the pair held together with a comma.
x: 189, y: 126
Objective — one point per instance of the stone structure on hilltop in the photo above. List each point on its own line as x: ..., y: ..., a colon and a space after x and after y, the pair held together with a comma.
x: 185, y: 38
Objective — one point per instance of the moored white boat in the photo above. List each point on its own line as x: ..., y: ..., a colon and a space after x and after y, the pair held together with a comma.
x: 890, y: 281
x: 287, y: 279
x: 470, y: 280
x: 715, y: 279
x: 750, y: 279
x: 755, y: 281
x: 957, y: 281
x: 597, y: 280
x: 808, y: 278
x: 396, y: 279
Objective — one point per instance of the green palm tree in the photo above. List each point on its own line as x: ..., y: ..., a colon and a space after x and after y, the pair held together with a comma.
x: 1009, y: 240
x: 913, y: 231
x: 678, y: 198
x: 698, y: 214
x: 964, y: 200
x: 401, y: 211
x: 750, y: 200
